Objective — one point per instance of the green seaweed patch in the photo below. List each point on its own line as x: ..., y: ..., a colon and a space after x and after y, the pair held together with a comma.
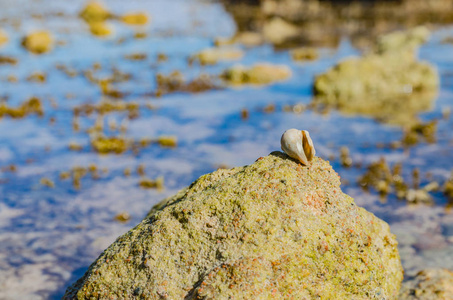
x: 122, y: 217
x: 175, y: 82
x: 31, y: 106
x: 78, y: 172
x: 106, y: 106
x: 211, y: 56
x: 47, y: 182
x: 168, y: 141
x: 420, y: 131
x: 100, y: 28
x: 105, y: 145
x: 136, y: 56
x: 39, y: 77
x: 3, y: 37
x: 385, y: 181
x: 135, y: 19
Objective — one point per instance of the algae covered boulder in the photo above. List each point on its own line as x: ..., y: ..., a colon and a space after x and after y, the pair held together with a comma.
x: 273, y: 229
x: 429, y: 284
x: 389, y: 84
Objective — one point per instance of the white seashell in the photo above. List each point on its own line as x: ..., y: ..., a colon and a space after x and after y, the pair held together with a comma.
x: 298, y: 145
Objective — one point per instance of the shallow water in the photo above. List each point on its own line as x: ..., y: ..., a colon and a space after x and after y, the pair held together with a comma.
x: 49, y: 236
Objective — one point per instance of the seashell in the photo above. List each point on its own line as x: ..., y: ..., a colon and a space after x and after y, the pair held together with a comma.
x: 298, y: 145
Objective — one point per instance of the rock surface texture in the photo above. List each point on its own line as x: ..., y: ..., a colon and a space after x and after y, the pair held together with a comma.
x: 273, y: 229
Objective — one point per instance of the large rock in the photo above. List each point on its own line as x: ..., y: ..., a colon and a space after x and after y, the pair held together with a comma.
x: 271, y: 229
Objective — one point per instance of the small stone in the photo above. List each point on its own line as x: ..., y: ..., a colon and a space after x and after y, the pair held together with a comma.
x: 38, y: 42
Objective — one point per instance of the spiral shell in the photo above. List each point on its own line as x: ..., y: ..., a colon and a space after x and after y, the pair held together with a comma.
x: 298, y: 145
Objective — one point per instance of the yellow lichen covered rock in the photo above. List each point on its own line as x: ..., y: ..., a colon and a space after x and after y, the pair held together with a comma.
x: 100, y: 28
x: 389, y: 84
x: 38, y: 42
x: 258, y: 74
x: 273, y: 229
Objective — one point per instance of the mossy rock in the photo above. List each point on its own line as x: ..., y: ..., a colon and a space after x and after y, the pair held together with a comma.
x: 211, y: 56
x: 274, y: 229
x: 389, y: 84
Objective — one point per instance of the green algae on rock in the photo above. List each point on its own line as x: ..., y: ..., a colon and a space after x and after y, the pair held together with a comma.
x: 271, y: 229
x: 388, y: 84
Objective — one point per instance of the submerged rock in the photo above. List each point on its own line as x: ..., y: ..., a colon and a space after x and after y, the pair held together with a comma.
x: 325, y: 22
x: 246, y: 38
x: 408, y: 40
x: 430, y: 284
x: 100, y: 28
x: 271, y: 229
x: 135, y: 19
x: 305, y: 54
x: 277, y: 30
x: 38, y: 42
x: 258, y: 74
x: 389, y: 84
x: 3, y: 37
x: 211, y: 56
x: 94, y: 12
